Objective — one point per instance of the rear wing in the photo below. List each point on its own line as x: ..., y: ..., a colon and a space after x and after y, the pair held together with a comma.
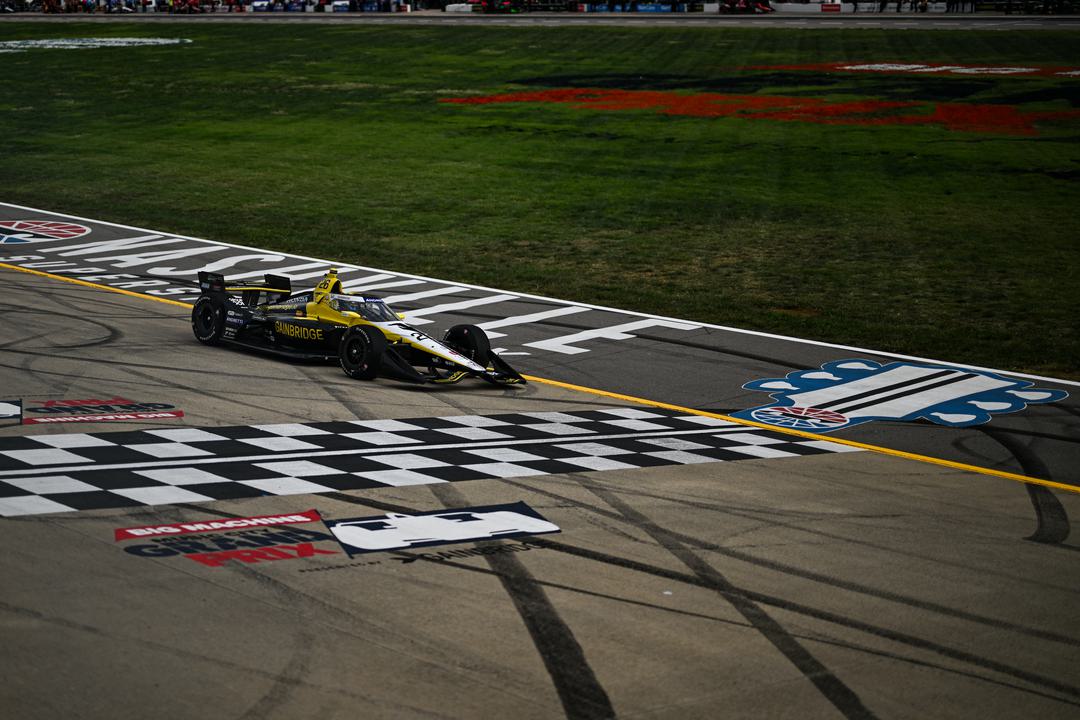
x: 278, y: 284
x: 252, y: 293
x: 211, y: 283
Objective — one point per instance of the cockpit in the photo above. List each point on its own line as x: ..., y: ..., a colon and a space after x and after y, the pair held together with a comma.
x: 371, y: 309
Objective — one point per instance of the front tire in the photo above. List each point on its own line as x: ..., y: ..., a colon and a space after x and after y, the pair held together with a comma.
x: 470, y: 341
x: 207, y: 321
x: 360, y: 352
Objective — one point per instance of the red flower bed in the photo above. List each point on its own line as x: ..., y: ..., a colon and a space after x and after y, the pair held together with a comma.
x: 953, y: 116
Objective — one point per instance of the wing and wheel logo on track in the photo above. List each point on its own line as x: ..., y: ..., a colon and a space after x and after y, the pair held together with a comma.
x: 21, y: 232
x: 845, y: 393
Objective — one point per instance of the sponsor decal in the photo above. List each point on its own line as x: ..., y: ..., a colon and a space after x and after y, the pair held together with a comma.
x: 830, y: 7
x: 930, y: 69
x: 11, y: 411
x: 216, y: 525
x: 103, y: 418
x: 85, y: 43
x: 96, y: 410
x: 266, y: 538
x: 472, y: 552
x: 440, y: 556
x: 291, y: 304
x: 443, y: 527
x: 299, y: 332
x: 846, y: 393
x: 984, y: 118
x: 21, y: 232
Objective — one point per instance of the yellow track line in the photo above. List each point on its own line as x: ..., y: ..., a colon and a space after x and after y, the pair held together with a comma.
x: 667, y: 406
x: 812, y: 436
x: 84, y: 283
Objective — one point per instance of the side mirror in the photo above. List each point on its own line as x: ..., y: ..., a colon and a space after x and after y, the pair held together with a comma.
x: 400, y: 316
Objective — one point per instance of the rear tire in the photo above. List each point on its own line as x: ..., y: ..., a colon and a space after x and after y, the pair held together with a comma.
x: 360, y: 352
x: 207, y: 321
x: 470, y: 341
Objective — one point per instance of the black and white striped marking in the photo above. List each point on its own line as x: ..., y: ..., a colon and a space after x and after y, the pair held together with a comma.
x: 81, y: 471
x: 165, y: 265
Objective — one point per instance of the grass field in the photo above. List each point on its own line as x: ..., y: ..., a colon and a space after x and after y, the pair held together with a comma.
x: 958, y: 244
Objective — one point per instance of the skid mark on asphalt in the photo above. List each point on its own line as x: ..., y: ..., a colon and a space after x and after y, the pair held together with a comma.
x: 450, y: 660
x: 1052, y: 521
x: 579, y: 690
x: 832, y: 618
x: 771, y: 518
x: 228, y: 667
x: 842, y: 697
x: 287, y: 681
x: 813, y: 638
x: 780, y: 603
x: 799, y: 572
x: 1052, y: 689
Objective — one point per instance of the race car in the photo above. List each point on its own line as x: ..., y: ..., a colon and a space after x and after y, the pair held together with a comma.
x: 360, y: 332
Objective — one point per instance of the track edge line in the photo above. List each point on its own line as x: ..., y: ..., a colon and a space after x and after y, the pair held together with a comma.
x: 1016, y: 477
x: 952, y: 464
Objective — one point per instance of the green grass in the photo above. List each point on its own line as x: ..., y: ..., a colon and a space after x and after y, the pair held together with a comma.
x: 330, y: 141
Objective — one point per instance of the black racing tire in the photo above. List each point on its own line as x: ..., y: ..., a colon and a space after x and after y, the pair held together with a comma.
x: 208, y: 321
x: 470, y: 341
x: 360, y: 352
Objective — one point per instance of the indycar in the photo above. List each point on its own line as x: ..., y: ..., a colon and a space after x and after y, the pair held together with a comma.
x: 360, y: 332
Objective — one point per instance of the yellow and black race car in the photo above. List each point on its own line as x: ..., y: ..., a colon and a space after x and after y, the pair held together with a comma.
x: 362, y: 333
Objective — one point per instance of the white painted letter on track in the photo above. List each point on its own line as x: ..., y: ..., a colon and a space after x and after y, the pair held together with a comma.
x: 566, y: 343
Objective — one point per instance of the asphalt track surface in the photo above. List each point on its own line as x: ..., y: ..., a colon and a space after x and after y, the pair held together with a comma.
x: 668, y: 360
x: 843, y: 584
x: 887, y: 20
x: 849, y: 584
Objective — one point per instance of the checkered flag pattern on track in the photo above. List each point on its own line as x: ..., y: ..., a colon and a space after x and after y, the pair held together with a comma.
x: 84, y: 471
